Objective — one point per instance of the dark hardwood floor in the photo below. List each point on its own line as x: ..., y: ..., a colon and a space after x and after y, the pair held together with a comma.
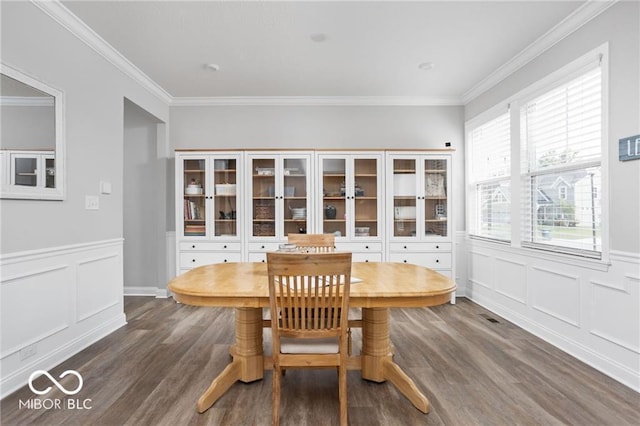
x: 474, y: 372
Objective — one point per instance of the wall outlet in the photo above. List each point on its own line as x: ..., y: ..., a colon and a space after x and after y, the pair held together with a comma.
x: 28, y: 351
x: 92, y: 202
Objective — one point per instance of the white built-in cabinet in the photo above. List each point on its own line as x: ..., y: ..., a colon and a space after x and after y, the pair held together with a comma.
x: 350, y: 186
x: 392, y: 206
x: 209, y: 209
x: 419, y: 210
x: 28, y: 169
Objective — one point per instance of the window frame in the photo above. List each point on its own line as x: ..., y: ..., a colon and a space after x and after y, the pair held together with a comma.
x: 596, y: 57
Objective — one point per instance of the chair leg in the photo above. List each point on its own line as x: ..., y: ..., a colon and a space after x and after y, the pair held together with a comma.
x: 342, y: 392
x: 275, y: 400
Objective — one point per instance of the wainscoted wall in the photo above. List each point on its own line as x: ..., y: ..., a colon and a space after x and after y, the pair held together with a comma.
x: 590, y: 310
x: 56, y: 302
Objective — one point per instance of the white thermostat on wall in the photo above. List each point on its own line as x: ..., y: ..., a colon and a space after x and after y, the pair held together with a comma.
x: 105, y: 187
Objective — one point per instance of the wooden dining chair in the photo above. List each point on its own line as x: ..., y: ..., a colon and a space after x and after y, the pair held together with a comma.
x: 317, y: 242
x: 307, y: 293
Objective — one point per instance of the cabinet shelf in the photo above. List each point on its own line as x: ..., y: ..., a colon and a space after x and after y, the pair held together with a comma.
x: 426, y: 172
x: 194, y: 171
x: 225, y: 171
x: 404, y: 171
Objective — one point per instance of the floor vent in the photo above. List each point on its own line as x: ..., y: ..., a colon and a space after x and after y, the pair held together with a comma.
x: 490, y: 319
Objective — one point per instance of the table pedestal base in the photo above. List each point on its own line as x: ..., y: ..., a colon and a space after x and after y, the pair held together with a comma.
x: 247, y: 365
x: 377, y: 357
x: 376, y: 361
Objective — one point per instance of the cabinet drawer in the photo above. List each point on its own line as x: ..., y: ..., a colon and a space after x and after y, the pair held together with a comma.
x: 419, y: 247
x: 209, y: 246
x: 360, y: 247
x: 366, y: 257
x: 257, y: 257
x: 263, y: 247
x: 192, y: 260
x: 430, y: 260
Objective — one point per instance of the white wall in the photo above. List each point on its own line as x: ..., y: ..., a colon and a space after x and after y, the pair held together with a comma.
x: 27, y: 127
x: 62, y: 275
x: 589, y: 309
x: 35, y: 44
x: 144, y: 193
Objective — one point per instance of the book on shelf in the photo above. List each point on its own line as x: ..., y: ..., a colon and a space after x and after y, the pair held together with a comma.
x: 191, y: 210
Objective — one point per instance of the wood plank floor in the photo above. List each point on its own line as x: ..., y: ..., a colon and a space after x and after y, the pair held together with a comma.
x: 474, y: 372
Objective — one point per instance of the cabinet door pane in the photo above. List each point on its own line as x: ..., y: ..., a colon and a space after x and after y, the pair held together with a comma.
x: 225, y: 172
x: 366, y: 197
x: 50, y: 171
x: 435, y: 197
x: 264, y: 197
x: 404, y: 197
x: 295, y: 195
x: 334, y: 196
x: 194, y: 197
x: 25, y: 171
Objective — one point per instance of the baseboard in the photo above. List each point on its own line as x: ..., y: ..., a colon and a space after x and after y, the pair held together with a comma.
x: 160, y: 293
x: 607, y: 366
x: 19, y: 378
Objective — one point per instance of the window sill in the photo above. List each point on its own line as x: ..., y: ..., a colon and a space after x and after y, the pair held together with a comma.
x: 551, y: 256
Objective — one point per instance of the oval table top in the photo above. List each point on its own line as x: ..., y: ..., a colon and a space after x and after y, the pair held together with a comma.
x: 245, y: 284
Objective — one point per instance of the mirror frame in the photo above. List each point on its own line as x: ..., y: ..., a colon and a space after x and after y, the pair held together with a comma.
x: 8, y: 191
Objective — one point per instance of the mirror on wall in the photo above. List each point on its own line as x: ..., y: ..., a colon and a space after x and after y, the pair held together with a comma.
x: 31, y: 137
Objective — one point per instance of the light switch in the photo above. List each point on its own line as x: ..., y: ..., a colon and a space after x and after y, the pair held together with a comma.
x: 105, y: 187
x: 92, y: 202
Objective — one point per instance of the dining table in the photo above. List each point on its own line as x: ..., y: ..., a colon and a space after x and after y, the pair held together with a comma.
x: 376, y: 288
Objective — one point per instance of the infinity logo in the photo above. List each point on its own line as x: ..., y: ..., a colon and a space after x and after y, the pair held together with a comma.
x: 39, y: 373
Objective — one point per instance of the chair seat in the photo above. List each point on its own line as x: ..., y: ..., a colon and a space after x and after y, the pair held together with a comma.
x: 327, y: 345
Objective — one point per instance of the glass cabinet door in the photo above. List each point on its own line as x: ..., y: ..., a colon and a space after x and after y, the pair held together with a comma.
x: 25, y: 170
x: 50, y: 171
x: 435, y: 197
x: 365, y: 196
x: 225, y: 201
x: 263, y: 197
x: 334, y: 210
x: 404, y: 197
x: 194, y: 182
x: 295, y: 183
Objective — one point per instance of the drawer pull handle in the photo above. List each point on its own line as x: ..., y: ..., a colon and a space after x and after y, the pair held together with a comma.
x: 366, y: 261
x: 437, y: 247
x: 193, y: 246
x: 367, y: 247
x: 437, y: 260
x: 225, y: 246
x: 225, y: 261
x: 405, y: 247
x: 405, y: 261
x: 193, y: 260
x: 261, y: 247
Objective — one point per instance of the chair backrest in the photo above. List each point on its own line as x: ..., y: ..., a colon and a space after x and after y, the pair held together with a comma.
x: 318, y: 242
x: 308, y: 292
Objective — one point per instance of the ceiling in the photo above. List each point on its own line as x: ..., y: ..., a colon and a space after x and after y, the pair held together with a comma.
x: 370, y: 49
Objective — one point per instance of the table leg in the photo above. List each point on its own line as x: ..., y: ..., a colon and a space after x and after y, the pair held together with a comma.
x: 247, y: 365
x: 377, y: 357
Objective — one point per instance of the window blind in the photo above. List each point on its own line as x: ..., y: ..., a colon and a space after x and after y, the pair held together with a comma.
x: 561, y: 139
x: 490, y: 171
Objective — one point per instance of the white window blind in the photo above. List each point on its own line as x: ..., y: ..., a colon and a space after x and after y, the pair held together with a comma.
x: 561, y: 139
x: 489, y: 179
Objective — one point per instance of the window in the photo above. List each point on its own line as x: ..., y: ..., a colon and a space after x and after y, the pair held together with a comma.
x: 562, y: 192
x: 561, y: 139
x: 489, y: 180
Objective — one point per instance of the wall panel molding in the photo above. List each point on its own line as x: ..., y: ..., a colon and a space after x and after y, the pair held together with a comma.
x: 56, y: 302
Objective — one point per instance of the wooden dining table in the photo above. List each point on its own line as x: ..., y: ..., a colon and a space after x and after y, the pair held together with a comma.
x: 379, y: 287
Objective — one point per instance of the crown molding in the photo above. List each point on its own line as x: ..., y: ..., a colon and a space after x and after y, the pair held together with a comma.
x: 317, y: 101
x: 29, y: 101
x: 564, y: 28
x: 56, y: 10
